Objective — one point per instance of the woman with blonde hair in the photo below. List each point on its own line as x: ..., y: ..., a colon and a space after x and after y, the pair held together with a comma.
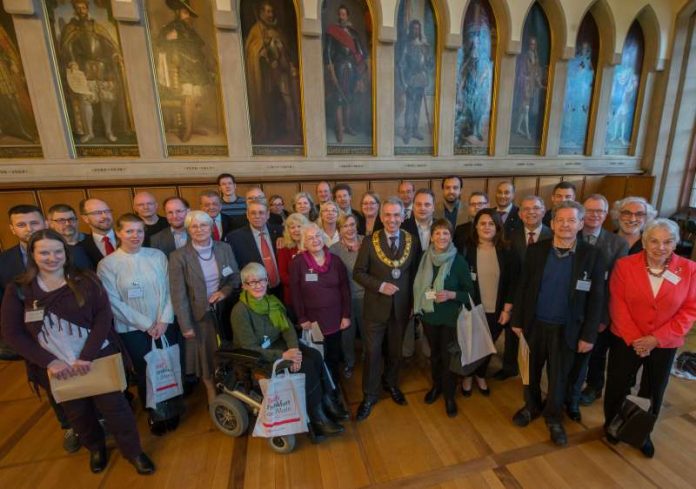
x: 303, y: 203
x: 328, y: 217
x: 290, y: 247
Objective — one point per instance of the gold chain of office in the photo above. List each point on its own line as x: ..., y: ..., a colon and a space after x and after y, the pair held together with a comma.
x: 383, y: 257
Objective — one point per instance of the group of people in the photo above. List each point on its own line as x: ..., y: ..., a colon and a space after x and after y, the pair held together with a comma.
x: 323, y: 271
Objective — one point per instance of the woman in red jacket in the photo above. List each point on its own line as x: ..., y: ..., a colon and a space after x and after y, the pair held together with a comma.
x: 653, y: 306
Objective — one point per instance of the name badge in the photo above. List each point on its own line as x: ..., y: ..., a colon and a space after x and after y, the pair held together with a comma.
x: 473, y: 276
x: 266, y: 343
x: 135, y: 292
x: 311, y: 277
x: 33, y: 315
x: 671, y: 277
x: 430, y: 294
x: 606, y: 275
x: 583, y: 285
x: 227, y: 271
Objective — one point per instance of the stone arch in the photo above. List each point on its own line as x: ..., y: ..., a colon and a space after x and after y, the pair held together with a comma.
x: 652, y: 37
x: 604, y: 17
x: 501, y: 10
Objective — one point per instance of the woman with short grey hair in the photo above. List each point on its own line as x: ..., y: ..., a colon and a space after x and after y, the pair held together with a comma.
x: 631, y: 215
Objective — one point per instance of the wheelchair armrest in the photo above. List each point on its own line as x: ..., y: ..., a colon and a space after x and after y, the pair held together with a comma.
x: 241, y: 355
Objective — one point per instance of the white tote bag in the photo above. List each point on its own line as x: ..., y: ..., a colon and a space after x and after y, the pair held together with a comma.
x: 163, y: 373
x: 283, y: 410
x: 473, y: 334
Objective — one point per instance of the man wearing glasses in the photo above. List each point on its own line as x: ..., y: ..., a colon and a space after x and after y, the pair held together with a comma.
x: 477, y: 200
x: 102, y: 242
x: 63, y: 220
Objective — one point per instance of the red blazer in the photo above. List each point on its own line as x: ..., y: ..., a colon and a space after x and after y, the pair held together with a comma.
x: 636, y: 313
x: 284, y: 257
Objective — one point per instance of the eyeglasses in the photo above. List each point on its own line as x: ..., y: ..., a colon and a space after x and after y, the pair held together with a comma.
x: 65, y: 220
x: 595, y: 211
x: 536, y: 208
x: 256, y: 283
x: 103, y: 212
x: 629, y: 214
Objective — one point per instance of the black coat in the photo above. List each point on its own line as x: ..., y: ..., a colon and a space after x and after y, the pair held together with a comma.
x: 518, y: 239
x: 513, y: 221
x: 584, y: 308
x: 509, y: 272
x: 90, y: 249
x: 11, y: 265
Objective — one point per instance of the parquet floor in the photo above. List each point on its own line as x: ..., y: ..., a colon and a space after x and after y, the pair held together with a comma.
x: 415, y: 446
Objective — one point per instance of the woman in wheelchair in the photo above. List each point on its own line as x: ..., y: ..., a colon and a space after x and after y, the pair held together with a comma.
x: 259, y: 323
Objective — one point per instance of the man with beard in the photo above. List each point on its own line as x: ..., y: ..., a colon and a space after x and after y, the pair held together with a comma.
x: 451, y: 208
x: 272, y: 83
x: 91, y: 59
x: 414, y: 64
x: 63, y: 220
x: 102, y: 242
x: 182, y: 65
x: 346, y: 66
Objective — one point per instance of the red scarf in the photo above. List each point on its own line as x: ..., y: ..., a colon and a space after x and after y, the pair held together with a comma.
x: 312, y: 263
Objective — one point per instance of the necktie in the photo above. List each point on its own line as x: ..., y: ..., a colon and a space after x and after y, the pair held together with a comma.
x: 591, y: 238
x: 408, y: 213
x: 392, y: 245
x: 108, y: 247
x: 530, y: 239
x: 216, y: 233
x: 503, y: 216
x: 268, y: 263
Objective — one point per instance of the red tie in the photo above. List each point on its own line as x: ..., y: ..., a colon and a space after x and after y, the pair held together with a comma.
x: 216, y: 233
x: 530, y: 240
x: 108, y: 247
x: 268, y: 263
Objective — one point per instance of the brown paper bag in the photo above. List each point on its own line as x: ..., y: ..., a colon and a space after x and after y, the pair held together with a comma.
x: 106, y: 375
x: 523, y: 360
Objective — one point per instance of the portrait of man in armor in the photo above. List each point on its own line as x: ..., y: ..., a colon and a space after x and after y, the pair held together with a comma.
x: 187, y: 76
x: 414, y: 93
x: 272, y: 75
x: 348, y: 76
x: 92, y: 72
x: 17, y: 126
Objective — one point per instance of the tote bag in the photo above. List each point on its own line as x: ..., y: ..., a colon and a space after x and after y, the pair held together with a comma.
x: 473, y: 335
x: 163, y: 373
x: 634, y: 422
x: 283, y: 410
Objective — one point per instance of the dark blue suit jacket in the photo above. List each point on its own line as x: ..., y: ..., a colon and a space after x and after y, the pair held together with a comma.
x: 244, y: 246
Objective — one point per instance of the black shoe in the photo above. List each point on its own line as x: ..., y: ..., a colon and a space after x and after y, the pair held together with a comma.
x: 558, y: 434
x: 524, y: 416
x: 589, y: 395
x: 450, y: 408
x: 364, y: 409
x: 573, y: 413
x: 322, y: 424
x: 172, y: 424
x: 396, y: 395
x: 314, y: 437
x: 648, y: 449
x: 432, y: 395
x: 71, y: 441
x: 484, y: 392
x: 98, y: 460
x: 8, y: 354
x: 334, y: 408
x: 503, y: 374
x: 611, y: 438
x: 465, y: 392
x: 157, y: 428
x: 143, y: 465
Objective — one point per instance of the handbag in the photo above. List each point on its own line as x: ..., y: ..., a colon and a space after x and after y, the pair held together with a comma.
x: 473, y: 334
x: 163, y: 373
x: 313, y: 338
x: 634, y: 422
x: 283, y: 409
x: 105, y: 375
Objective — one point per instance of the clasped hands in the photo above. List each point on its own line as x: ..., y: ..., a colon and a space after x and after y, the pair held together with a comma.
x: 62, y: 370
x: 643, y: 346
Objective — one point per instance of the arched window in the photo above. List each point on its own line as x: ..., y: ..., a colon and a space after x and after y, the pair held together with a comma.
x: 273, y: 76
x: 348, y: 76
x: 475, y: 80
x: 624, y: 94
x: 415, y: 78
x: 579, y: 89
x: 531, y: 84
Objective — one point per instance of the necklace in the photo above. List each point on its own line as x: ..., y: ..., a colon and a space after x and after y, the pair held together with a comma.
x: 210, y: 257
x: 661, y: 272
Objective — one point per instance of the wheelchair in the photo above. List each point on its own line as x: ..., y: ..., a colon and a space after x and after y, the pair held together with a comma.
x: 239, y: 394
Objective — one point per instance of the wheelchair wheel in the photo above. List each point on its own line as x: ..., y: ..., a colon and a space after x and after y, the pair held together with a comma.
x: 229, y: 415
x: 282, y: 444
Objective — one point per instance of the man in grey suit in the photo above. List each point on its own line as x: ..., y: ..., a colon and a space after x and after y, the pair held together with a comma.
x: 591, y: 365
x: 532, y: 231
x: 174, y: 236
x: 385, y: 267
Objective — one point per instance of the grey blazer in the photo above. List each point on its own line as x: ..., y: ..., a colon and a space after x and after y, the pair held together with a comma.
x: 164, y: 241
x: 187, y: 283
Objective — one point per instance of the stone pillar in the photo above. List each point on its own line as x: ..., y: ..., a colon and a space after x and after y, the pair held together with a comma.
x: 600, y: 129
x: 506, y: 91
x: 448, y: 101
x: 383, y: 102
x: 313, y: 95
x: 555, y: 108
x: 643, y: 119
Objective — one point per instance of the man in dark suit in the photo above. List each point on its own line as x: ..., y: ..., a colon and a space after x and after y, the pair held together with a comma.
x: 256, y: 243
x: 507, y: 210
x: 211, y: 204
x: 102, y: 241
x: 343, y: 196
x: 477, y: 200
x: 174, y: 236
x: 561, y: 191
x: 532, y: 231
x: 558, y: 307
x: 593, y: 364
x: 385, y: 267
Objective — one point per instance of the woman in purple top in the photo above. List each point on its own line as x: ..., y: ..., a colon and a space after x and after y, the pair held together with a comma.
x: 59, y: 319
x: 321, y: 293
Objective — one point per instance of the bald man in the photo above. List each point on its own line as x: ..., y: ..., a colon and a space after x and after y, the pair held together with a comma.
x: 102, y: 241
x: 145, y: 206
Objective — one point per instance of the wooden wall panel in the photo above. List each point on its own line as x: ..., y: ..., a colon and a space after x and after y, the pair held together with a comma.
x: 191, y: 193
x: 525, y: 186
x: 359, y: 188
x: 640, y: 186
x: 613, y: 188
x: 285, y: 190
x: 593, y: 184
x: 7, y: 200
x: 385, y: 188
x: 545, y: 189
x: 472, y: 185
x: 419, y: 183
x: 120, y: 200
x: 311, y: 187
x: 579, y: 182
x: 160, y: 194
x: 72, y: 197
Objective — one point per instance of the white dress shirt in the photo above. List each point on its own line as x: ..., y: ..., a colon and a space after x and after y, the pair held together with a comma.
x: 97, y: 237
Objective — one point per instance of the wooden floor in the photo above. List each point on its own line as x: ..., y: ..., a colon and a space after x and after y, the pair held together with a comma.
x: 397, y: 447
